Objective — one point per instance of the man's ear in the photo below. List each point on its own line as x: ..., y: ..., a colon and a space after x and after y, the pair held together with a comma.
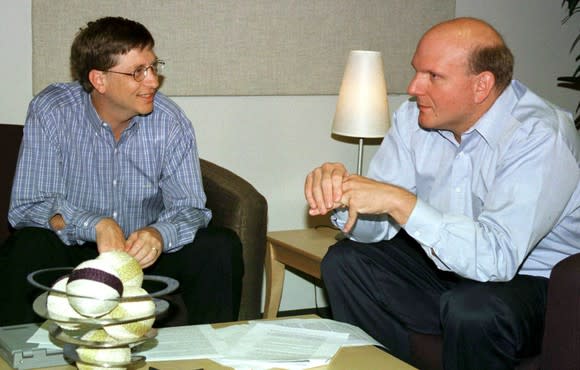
x: 484, y: 85
x: 97, y: 79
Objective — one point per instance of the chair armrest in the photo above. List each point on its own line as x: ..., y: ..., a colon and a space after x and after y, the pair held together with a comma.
x: 237, y: 205
x: 561, y: 342
x: 10, y: 138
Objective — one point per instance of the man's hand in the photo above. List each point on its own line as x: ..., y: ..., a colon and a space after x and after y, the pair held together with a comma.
x: 109, y: 235
x: 323, y: 188
x: 365, y: 196
x: 145, y: 245
x: 57, y: 222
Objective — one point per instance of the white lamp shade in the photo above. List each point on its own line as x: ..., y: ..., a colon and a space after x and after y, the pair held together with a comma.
x: 362, y: 109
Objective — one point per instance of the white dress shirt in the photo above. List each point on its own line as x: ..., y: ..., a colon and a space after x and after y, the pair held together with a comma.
x: 504, y: 201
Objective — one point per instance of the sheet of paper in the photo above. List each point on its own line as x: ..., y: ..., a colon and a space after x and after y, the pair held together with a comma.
x: 265, y: 365
x: 182, y: 343
x: 231, y: 334
x: 263, y: 346
x: 357, y: 336
x: 278, y: 343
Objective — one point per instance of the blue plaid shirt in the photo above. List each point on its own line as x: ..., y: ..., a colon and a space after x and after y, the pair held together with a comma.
x: 70, y: 164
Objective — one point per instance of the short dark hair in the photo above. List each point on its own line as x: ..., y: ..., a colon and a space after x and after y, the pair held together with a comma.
x: 98, y: 45
x: 497, y: 59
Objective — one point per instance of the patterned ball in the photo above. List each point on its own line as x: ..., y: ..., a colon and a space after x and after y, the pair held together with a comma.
x: 94, y: 288
x: 113, y: 356
x: 58, y: 306
x: 140, y: 307
x: 82, y: 366
x: 127, y: 267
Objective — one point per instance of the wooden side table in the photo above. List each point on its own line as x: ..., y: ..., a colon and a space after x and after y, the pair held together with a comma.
x: 300, y: 249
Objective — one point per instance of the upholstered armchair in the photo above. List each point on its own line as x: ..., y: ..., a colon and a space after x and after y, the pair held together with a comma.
x: 235, y: 204
x: 561, y: 342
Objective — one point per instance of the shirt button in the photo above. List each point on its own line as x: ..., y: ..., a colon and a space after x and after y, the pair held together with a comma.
x: 115, y: 214
x: 115, y: 182
x: 86, y: 224
x: 417, y: 233
x: 458, y: 189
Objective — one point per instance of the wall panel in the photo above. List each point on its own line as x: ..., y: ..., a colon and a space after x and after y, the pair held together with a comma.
x: 247, y: 47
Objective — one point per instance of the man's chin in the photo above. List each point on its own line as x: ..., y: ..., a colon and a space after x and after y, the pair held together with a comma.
x: 426, y: 124
x: 145, y: 111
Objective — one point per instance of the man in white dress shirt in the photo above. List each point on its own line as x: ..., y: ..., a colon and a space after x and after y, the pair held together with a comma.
x: 470, y: 201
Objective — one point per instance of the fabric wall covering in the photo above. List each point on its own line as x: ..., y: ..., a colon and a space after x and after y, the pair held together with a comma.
x: 247, y: 47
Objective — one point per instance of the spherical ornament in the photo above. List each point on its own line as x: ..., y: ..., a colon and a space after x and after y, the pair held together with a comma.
x: 93, y: 288
x: 58, y: 307
x: 140, y: 307
x: 98, y: 336
x: 127, y: 267
x: 82, y: 366
x: 112, y: 356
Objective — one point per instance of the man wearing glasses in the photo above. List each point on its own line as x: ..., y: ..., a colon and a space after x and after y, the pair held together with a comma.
x: 109, y: 163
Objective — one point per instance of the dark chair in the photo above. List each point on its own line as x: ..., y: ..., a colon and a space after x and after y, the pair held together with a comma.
x: 561, y: 342
x: 235, y: 204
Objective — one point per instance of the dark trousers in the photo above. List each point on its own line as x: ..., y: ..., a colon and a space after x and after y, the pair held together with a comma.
x: 209, y: 271
x: 391, y: 287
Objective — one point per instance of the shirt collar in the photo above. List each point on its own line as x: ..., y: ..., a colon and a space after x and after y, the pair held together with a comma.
x: 91, y: 113
x: 498, y: 119
x: 95, y: 120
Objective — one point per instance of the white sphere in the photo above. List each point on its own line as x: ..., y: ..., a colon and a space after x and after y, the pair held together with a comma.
x: 115, y: 356
x: 58, y: 307
x: 127, y: 267
x: 112, y: 355
x: 143, y: 307
x: 82, y: 366
x: 93, y: 288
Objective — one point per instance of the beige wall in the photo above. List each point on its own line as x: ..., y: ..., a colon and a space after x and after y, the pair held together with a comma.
x: 273, y: 141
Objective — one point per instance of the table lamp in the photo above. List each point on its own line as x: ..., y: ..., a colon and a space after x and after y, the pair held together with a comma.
x: 362, y: 109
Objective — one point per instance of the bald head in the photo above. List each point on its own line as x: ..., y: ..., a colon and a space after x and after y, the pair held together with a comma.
x: 461, y: 68
x: 470, y: 32
x: 484, y: 47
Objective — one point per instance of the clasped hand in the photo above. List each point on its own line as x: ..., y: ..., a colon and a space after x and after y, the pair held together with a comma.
x: 145, y: 245
x: 330, y: 186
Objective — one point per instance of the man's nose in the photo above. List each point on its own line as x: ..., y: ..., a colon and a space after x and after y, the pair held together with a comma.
x: 151, y: 79
x: 415, y: 86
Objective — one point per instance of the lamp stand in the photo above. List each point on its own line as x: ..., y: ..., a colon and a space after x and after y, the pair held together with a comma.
x: 340, y: 234
x: 360, y: 157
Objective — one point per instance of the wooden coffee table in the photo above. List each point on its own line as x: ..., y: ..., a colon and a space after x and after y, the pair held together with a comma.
x: 300, y: 249
x: 347, y: 358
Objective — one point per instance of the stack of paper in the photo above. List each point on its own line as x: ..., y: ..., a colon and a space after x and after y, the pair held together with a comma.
x: 288, y: 344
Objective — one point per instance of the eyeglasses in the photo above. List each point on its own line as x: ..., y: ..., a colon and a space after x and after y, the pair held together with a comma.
x: 141, y: 72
